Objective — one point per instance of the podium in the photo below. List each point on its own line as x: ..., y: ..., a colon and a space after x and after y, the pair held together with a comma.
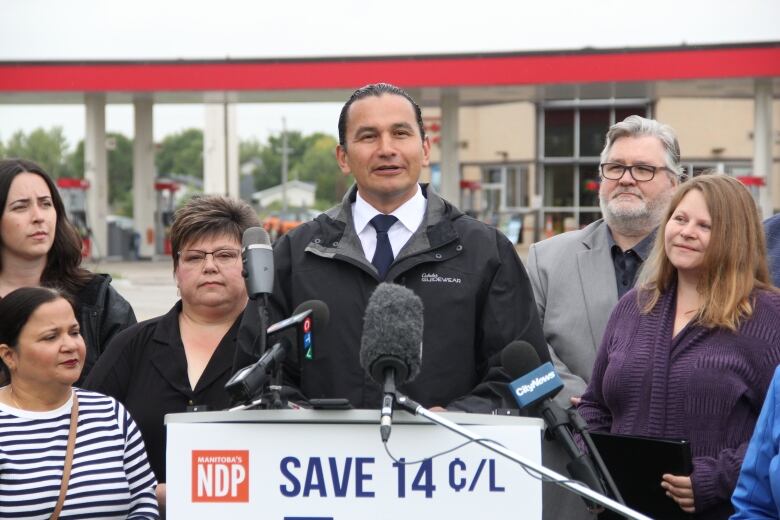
x: 322, y: 464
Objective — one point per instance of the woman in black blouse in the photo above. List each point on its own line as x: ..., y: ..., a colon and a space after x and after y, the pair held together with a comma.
x: 184, y: 358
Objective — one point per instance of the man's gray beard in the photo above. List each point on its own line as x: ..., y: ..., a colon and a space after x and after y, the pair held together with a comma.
x: 638, y: 221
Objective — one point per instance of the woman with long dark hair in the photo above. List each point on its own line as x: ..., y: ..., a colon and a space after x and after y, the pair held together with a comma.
x: 40, y: 247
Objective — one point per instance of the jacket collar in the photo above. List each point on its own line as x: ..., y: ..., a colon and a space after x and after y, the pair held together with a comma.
x: 596, y: 235
x: 92, y: 294
x: 337, y: 235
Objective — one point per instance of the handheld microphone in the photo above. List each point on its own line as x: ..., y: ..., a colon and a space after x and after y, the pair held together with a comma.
x: 248, y: 382
x: 391, y: 345
x: 534, y: 386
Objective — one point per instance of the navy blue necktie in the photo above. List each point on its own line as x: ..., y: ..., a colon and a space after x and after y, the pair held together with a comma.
x: 383, y: 256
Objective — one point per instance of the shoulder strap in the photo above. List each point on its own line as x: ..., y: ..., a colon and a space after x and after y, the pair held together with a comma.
x: 74, y: 423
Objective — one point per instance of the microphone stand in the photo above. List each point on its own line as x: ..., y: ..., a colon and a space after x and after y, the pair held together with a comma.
x: 572, y: 486
x: 262, y: 316
x: 581, y: 427
x: 581, y: 466
x: 275, y: 386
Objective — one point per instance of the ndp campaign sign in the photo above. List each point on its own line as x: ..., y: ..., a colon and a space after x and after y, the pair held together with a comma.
x: 306, y: 470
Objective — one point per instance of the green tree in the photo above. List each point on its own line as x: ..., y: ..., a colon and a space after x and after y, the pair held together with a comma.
x: 46, y: 147
x: 310, y: 158
x: 120, y: 172
x: 269, y: 172
x: 181, y: 153
x: 319, y: 165
x: 250, y: 153
x: 74, y: 162
x: 120, y: 175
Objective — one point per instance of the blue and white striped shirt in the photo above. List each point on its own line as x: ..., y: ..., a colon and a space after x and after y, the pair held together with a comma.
x: 110, y: 477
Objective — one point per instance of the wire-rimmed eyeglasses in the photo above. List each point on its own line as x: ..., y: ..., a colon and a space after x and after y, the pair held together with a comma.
x: 196, y: 257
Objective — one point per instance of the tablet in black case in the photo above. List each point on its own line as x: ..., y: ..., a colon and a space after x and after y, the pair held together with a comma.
x: 637, y: 464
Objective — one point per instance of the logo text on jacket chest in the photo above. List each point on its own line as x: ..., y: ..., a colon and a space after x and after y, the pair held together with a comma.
x: 435, y: 278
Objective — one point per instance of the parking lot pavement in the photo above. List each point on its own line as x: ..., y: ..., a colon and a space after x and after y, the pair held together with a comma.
x: 148, y: 285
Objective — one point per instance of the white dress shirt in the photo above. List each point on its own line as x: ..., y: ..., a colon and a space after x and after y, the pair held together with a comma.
x: 410, y: 215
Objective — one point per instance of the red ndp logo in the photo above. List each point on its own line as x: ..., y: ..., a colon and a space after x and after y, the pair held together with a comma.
x: 220, y: 476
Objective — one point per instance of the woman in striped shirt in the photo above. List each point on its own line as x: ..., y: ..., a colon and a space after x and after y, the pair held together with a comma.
x: 42, y: 355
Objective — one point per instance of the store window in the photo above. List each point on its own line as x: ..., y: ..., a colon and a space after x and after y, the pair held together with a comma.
x: 567, y: 173
x: 504, y: 189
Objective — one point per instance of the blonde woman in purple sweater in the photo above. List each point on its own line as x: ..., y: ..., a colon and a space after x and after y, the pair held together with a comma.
x: 690, y: 353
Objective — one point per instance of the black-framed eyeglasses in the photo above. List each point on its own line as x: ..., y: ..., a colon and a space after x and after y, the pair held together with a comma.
x: 196, y: 257
x: 638, y: 172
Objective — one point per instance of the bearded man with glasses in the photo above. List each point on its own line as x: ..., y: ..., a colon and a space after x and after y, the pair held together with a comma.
x: 183, y: 359
x: 578, y: 277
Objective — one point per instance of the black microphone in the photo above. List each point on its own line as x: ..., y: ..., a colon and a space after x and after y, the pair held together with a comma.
x: 534, y: 385
x: 248, y: 382
x: 257, y: 257
x: 391, y: 344
x: 317, y: 309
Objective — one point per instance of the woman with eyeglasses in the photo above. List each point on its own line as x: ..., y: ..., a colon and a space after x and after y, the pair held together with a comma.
x: 40, y: 247
x: 689, y: 353
x: 184, y: 358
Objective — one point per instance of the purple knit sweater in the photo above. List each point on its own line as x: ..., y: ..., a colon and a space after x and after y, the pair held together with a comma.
x: 704, y: 385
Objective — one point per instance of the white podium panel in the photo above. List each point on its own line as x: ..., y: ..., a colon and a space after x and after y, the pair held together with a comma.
x: 321, y: 465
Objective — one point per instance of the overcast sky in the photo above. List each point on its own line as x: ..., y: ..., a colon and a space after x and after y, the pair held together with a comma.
x: 32, y: 30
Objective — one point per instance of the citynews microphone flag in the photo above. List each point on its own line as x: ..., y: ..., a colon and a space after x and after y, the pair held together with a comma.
x: 538, y: 384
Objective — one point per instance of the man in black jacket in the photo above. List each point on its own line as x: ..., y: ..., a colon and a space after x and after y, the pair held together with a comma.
x: 475, y: 292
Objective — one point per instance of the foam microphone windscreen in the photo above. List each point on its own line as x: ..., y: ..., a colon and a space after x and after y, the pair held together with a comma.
x: 257, y: 258
x: 319, y: 312
x: 519, y: 358
x: 392, y: 333
x: 255, y: 235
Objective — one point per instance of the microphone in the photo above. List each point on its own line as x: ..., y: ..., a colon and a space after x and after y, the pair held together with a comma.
x: 248, y: 382
x: 257, y: 257
x: 307, y: 314
x: 534, y: 385
x: 391, y: 344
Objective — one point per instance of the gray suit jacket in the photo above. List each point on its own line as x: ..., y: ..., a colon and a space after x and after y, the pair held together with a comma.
x: 573, y: 278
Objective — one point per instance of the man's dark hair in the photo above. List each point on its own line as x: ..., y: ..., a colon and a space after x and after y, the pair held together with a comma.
x: 376, y: 89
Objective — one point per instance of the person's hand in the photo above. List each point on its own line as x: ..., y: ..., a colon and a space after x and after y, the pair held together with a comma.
x: 679, y: 489
x: 437, y: 409
x: 575, y: 400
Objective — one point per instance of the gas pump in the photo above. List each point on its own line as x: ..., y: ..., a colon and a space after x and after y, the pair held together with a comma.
x: 74, y: 197
x: 163, y: 215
